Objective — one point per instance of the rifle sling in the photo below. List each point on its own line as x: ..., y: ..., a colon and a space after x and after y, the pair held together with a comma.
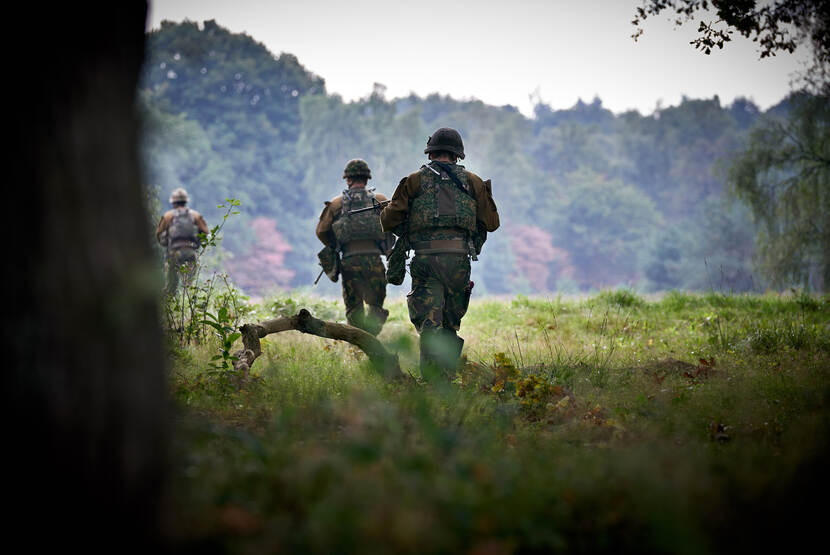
x: 448, y: 170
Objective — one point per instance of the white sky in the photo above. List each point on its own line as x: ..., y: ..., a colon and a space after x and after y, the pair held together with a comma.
x: 498, y: 52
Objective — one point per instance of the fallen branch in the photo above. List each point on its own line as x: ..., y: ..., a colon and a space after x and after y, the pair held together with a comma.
x: 385, y: 362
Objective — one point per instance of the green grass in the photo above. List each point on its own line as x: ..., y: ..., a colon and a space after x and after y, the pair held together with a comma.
x: 578, y: 425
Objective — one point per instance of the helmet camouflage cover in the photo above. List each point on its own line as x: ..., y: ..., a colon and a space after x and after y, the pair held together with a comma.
x: 357, y: 168
x: 447, y: 139
x: 179, y: 195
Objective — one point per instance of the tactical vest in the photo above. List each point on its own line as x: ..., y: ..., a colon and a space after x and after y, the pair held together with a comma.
x: 442, y: 210
x: 357, y: 233
x: 182, y: 232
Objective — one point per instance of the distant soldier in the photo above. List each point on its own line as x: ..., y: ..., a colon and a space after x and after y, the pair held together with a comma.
x: 355, y: 241
x: 443, y: 212
x: 179, y: 230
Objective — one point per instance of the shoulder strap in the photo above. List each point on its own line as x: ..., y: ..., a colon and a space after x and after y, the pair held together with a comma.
x: 346, y: 202
x: 452, y: 176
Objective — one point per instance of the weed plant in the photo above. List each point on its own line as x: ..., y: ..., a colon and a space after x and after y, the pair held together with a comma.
x: 192, y: 312
x: 690, y: 424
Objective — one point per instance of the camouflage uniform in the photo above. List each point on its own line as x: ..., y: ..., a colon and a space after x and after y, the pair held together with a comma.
x: 360, y: 241
x: 446, y: 221
x: 178, y: 230
x: 364, y: 280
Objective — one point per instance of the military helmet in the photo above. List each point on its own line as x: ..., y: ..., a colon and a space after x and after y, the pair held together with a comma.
x: 357, y: 168
x: 179, y: 195
x: 447, y: 139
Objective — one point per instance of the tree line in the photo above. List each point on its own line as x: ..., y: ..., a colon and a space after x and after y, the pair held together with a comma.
x: 590, y: 199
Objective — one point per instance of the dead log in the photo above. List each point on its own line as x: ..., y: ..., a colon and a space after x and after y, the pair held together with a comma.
x: 384, y: 361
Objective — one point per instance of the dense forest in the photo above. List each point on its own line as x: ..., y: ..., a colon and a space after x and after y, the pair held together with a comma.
x: 588, y: 199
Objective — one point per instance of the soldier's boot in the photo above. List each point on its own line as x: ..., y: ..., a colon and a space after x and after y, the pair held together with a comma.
x: 440, y: 352
x: 451, y: 355
x: 459, y: 344
x: 429, y: 366
x: 375, y: 319
x: 356, y: 318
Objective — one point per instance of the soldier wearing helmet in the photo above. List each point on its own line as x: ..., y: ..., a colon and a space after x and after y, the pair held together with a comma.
x: 354, y: 242
x: 443, y: 212
x: 178, y: 231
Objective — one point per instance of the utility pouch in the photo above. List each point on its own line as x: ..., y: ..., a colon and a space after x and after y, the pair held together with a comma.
x: 396, y: 261
x: 330, y: 262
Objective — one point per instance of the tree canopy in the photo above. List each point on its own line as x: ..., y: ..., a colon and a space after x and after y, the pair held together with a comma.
x: 588, y: 198
x: 777, y: 26
x: 784, y: 176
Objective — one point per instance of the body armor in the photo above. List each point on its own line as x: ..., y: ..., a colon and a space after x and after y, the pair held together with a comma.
x: 442, y: 210
x: 183, y: 232
x: 363, y: 227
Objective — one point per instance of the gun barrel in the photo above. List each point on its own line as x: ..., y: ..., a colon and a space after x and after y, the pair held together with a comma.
x: 373, y: 207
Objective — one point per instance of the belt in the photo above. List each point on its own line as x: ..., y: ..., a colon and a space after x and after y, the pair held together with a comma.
x: 361, y: 246
x: 441, y: 246
x: 182, y: 244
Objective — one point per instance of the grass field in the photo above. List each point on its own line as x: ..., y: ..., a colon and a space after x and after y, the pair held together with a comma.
x: 612, y: 423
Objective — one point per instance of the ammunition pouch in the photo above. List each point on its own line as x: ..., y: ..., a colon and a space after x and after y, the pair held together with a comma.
x: 396, y: 261
x: 479, y: 237
x: 330, y: 262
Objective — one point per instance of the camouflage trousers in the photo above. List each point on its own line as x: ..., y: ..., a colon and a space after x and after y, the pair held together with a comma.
x: 364, y: 281
x: 439, y: 298
x: 179, y: 262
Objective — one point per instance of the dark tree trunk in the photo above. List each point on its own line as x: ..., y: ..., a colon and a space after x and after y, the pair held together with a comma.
x: 84, y: 386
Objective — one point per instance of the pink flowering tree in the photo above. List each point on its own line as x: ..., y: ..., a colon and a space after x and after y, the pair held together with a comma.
x: 537, y: 261
x: 263, y: 266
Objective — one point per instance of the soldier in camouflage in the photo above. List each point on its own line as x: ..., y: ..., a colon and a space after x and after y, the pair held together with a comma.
x: 178, y: 231
x: 359, y: 240
x: 445, y: 212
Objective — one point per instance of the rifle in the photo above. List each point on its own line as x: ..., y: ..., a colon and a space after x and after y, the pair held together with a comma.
x: 374, y: 206
x: 319, y: 276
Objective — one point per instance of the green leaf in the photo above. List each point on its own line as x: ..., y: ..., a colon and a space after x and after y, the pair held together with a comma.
x: 215, y: 326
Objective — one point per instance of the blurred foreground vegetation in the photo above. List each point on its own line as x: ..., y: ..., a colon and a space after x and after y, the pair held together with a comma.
x: 609, y: 423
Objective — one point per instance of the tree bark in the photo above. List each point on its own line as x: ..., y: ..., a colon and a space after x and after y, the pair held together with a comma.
x: 83, y: 381
x: 384, y: 361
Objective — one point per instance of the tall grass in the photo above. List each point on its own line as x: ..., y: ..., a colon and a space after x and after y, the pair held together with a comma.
x: 605, y: 424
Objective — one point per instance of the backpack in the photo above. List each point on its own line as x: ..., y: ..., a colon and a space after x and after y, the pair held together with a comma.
x: 183, y: 232
x: 361, y: 226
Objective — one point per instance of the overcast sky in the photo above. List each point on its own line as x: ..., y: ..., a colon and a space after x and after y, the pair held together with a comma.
x: 498, y: 52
